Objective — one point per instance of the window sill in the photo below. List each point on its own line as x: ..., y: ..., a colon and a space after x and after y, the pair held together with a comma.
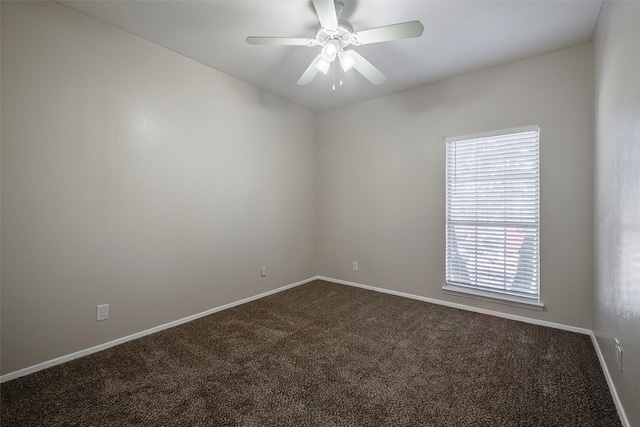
x: 492, y: 297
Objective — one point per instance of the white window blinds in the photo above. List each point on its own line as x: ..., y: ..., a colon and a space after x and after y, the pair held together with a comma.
x: 493, y: 214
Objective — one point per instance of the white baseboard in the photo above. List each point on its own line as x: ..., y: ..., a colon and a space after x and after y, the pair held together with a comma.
x: 81, y: 353
x: 612, y: 388
x: 464, y: 307
x: 85, y: 352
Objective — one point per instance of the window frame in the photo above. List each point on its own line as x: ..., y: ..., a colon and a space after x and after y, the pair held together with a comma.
x: 482, y: 294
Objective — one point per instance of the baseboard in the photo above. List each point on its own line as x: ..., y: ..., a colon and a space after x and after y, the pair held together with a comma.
x: 463, y: 307
x: 612, y: 388
x: 95, y: 349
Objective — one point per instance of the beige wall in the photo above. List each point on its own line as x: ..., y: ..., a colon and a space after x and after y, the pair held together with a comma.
x: 381, y: 189
x: 136, y: 177
x: 617, y: 201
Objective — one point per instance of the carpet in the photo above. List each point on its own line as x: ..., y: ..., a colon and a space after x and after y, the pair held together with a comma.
x: 324, y: 354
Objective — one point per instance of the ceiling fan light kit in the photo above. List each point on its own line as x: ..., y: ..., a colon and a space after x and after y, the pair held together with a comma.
x: 335, y: 35
x: 330, y: 50
x: 322, y: 65
x: 346, y: 60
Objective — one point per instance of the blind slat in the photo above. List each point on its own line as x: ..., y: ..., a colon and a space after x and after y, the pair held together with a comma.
x: 493, y: 213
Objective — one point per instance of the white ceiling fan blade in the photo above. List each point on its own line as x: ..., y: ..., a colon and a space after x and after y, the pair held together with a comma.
x: 326, y: 10
x: 286, y: 41
x: 365, y: 68
x: 309, y: 73
x: 405, y: 30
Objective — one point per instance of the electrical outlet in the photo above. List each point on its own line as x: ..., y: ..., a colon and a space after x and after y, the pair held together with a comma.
x: 355, y: 265
x: 102, y: 312
x: 618, y: 354
x: 263, y: 271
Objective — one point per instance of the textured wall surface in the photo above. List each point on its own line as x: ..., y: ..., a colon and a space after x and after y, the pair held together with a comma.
x: 382, y: 179
x: 617, y: 202
x: 136, y: 177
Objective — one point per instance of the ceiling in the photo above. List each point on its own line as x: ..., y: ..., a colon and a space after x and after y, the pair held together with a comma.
x: 459, y: 37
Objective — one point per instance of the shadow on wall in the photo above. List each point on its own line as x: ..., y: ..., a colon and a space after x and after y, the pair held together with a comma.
x: 446, y: 93
x: 253, y: 95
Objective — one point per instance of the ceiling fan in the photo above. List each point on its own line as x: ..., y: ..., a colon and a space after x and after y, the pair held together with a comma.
x: 334, y: 35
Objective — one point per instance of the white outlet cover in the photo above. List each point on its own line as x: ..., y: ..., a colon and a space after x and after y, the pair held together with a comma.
x: 621, y: 359
x: 355, y: 265
x: 618, y: 354
x: 102, y: 312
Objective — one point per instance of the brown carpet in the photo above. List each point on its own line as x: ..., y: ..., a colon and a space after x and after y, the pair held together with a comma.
x: 324, y: 354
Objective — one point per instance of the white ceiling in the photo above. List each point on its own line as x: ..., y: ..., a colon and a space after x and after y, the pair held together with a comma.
x: 459, y: 37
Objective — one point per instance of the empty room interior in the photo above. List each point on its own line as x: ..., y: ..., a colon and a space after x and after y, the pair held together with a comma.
x: 320, y: 213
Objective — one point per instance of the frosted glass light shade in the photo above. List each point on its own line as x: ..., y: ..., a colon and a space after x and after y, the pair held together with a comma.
x: 346, y: 60
x: 330, y: 50
x: 322, y: 65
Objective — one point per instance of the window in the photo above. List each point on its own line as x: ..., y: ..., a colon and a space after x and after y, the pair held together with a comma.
x: 493, y: 216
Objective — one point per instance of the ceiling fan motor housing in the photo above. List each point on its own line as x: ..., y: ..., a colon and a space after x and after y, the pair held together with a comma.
x: 343, y: 34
